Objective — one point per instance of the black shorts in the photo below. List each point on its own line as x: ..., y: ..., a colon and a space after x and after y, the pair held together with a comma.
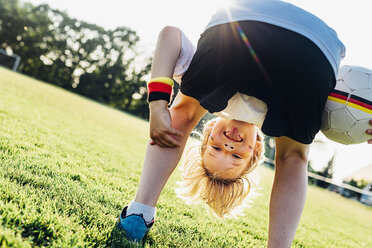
x: 293, y: 77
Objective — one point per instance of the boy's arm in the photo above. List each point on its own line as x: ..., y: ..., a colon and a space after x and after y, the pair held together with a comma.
x: 161, y: 130
x: 168, y: 125
x: 170, y: 57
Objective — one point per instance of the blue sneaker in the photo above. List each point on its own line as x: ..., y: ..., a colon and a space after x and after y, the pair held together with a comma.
x: 134, y: 225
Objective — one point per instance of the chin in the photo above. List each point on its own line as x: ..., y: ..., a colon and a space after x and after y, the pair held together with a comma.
x: 242, y: 123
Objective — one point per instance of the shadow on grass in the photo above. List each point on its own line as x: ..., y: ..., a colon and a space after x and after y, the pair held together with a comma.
x: 117, y: 239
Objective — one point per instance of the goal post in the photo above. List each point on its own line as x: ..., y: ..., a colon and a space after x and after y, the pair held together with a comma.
x: 10, y: 61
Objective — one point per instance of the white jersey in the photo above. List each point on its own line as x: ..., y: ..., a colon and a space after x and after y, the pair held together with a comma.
x: 240, y: 107
x: 287, y: 16
x: 184, y: 59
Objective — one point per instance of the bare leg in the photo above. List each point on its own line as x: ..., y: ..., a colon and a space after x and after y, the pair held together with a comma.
x: 158, y: 166
x: 288, y: 193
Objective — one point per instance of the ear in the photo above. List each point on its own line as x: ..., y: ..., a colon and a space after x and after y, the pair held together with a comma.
x: 206, y: 133
x: 258, y: 149
x: 258, y: 146
x: 209, y: 125
x: 257, y: 153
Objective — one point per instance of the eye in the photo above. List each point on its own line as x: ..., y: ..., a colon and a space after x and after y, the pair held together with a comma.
x: 216, y: 148
x: 237, y: 156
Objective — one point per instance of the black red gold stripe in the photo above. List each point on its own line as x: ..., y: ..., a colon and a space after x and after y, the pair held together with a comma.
x: 160, y: 87
x: 154, y: 96
x: 165, y: 80
x: 354, y: 101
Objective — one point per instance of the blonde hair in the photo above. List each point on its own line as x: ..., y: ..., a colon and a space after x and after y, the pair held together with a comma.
x: 221, y: 195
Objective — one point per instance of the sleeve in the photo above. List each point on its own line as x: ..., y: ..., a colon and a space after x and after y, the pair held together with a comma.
x: 187, y: 52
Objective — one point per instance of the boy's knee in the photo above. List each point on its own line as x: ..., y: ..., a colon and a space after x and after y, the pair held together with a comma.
x: 288, y: 150
x: 292, y: 156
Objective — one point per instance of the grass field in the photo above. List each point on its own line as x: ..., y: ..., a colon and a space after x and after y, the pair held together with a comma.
x: 69, y: 165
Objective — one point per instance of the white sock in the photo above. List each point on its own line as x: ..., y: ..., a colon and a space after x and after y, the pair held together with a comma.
x: 147, y: 211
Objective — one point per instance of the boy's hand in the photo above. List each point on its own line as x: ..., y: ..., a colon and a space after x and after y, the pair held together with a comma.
x: 369, y: 131
x: 161, y: 130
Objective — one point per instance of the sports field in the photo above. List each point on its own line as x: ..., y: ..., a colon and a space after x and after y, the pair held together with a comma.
x: 69, y: 165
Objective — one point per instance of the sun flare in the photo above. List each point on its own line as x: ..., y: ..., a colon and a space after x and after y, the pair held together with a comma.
x: 224, y: 3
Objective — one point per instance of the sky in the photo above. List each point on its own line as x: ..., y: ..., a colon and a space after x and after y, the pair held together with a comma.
x: 350, y: 19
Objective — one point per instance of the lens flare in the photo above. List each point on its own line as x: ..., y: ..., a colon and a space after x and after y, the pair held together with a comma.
x: 251, y: 50
x: 223, y: 3
x: 245, y: 39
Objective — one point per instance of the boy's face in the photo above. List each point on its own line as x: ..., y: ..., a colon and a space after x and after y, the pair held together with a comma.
x: 229, y: 148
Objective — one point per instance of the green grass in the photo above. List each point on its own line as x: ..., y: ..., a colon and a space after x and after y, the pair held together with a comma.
x: 69, y: 165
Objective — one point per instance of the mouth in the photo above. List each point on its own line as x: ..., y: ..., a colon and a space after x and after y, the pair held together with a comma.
x: 236, y: 136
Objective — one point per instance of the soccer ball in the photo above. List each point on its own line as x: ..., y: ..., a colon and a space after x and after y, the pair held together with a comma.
x: 348, y: 109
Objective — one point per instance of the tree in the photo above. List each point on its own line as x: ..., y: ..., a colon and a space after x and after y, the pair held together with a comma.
x: 24, y: 32
x: 327, y: 172
x: 76, y: 55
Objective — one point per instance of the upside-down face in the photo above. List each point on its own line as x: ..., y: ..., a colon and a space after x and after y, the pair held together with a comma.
x: 229, y: 148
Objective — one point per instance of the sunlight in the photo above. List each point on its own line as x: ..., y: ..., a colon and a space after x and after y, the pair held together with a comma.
x: 223, y: 3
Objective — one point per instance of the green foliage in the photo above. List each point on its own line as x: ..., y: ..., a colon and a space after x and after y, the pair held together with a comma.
x: 327, y: 172
x: 76, y: 55
x: 269, y: 150
x: 311, y: 180
x: 69, y: 165
x: 361, y: 184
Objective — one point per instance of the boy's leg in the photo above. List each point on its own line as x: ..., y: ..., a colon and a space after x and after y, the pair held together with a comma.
x: 289, y: 191
x: 166, y: 54
x: 158, y: 166
x: 161, y: 161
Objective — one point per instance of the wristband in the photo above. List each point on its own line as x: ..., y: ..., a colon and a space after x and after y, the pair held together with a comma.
x: 160, y: 88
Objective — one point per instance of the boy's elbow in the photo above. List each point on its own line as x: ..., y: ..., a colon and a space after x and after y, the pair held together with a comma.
x: 169, y: 30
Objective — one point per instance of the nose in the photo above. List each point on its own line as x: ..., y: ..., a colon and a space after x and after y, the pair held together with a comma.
x: 229, y: 146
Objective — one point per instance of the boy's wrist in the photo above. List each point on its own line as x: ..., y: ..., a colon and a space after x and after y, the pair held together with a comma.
x: 160, y: 88
x: 158, y: 104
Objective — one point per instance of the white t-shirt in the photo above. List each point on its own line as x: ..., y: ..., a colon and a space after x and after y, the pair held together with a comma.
x: 187, y: 52
x: 240, y: 107
x: 287, y: 16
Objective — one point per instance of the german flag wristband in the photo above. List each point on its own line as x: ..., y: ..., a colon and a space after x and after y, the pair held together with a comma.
x: 160, y: 88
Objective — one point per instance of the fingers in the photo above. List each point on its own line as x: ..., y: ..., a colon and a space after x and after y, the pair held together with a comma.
x: 175, y: 132
x: 369, y: 131
x: 159, y: 141
x: 166, y: 140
